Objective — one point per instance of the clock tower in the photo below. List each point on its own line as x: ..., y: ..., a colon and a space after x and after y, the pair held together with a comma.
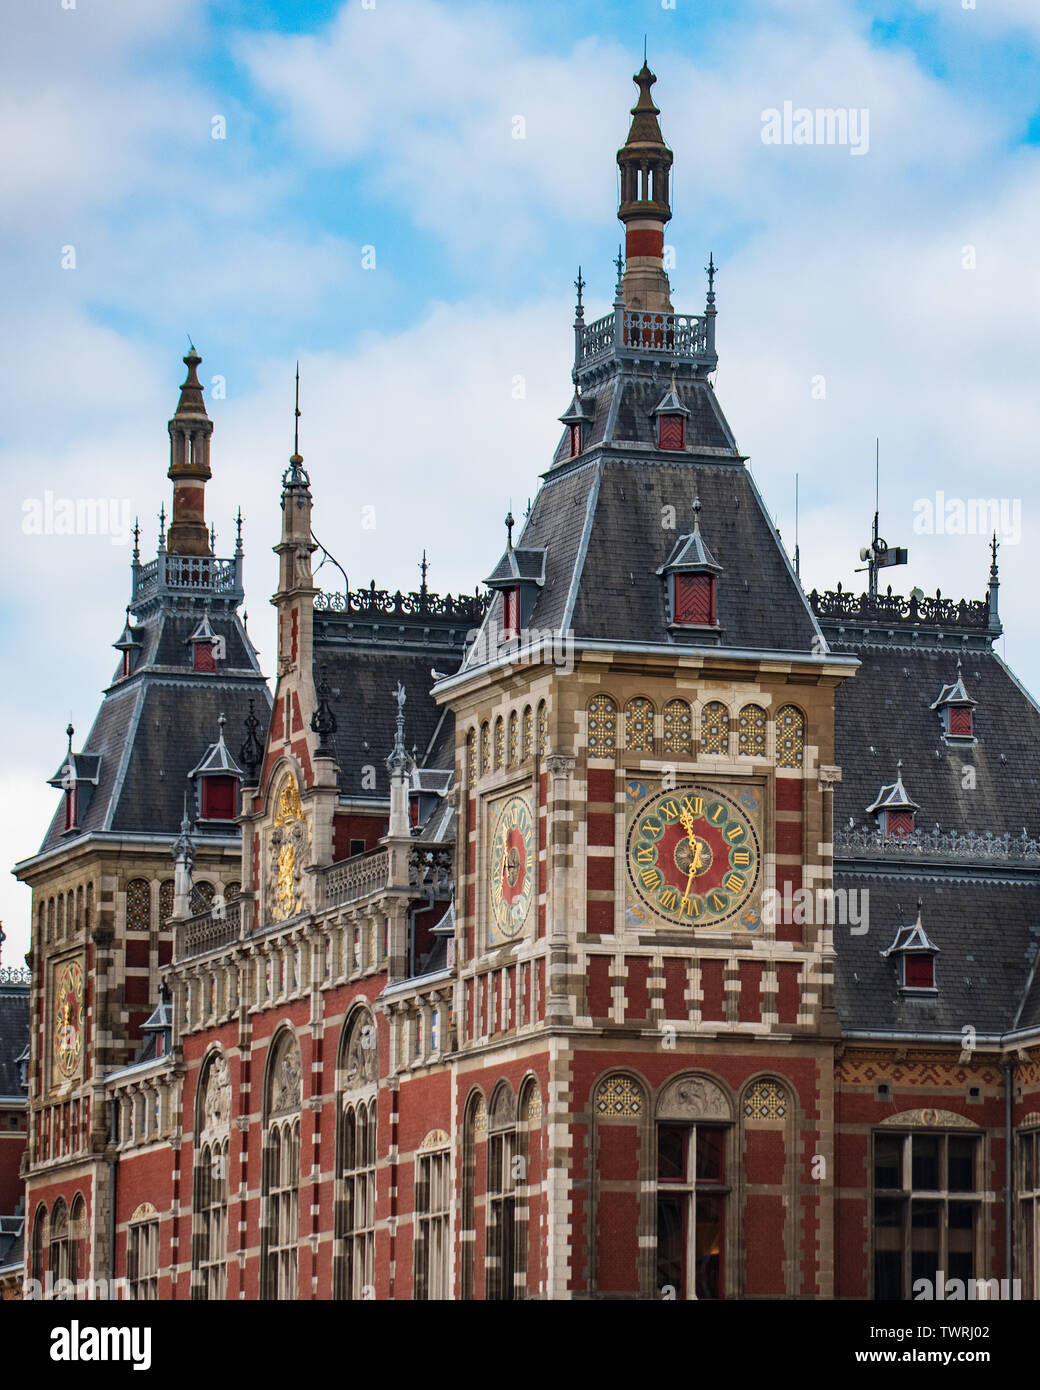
x: 645, y: 757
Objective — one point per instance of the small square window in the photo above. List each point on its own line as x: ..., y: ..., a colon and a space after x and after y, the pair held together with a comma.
x: 671, y: 432
x: 695, y: 599
x: 919, y: 971
x: 959, y: 721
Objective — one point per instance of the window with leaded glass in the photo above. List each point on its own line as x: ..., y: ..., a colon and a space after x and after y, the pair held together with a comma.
x: 639, y: 725
x: 602, y: 727
x: 543, y: 729
x: 201, y: 896
x: 790, y: 736
x: 358, y: 1200
x: 283, y: 1209
x: 500, y: 742
x: 926, y: 1210
x: 527, y: 741
x: 751, y: 732
x: 502, y: 1170
x: 714, y: 728
x: 678, y: 727
x: 1029, y: 1212
x: 514, y: 738
x: 211, y: 1221
x: 485, y: 748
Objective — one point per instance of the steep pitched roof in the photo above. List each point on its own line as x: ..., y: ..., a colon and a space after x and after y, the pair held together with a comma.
x: 14, y: 1036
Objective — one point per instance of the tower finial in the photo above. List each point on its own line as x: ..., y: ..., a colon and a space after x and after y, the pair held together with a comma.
x: 296, y: 422
x: 162, y: 527
x: 579, y: 285
x: 423, y: 566
x: 510, y: 523
x: 137, y: 540
x: 238, y: 529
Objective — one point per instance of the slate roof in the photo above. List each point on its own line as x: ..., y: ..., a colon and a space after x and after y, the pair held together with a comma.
x: 987, y: 932
x: 601, y: 526
x: 14, y: 1035
x: 884, y: 713
x: 621, y: 410
x: 155, y: 726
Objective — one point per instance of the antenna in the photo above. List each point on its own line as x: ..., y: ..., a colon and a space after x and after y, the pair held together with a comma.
x: 879, y: 554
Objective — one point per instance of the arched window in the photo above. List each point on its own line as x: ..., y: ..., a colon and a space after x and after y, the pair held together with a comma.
x: 692, y: 1132
x: 356, y: 1150
x: 751, y: 732
x: 714, y: 727
x: 602, y: 727
x: 678, y: 727
x: 639, y: 725
x: 165, y: 903
x: 543, y: 729
x: 40, y: 1243
x: 790, y: 736
x: 471, y: 757
x: 138, y: 905
x: 503, y: 1267
x: 500, y: 742
x: 485, y: 749
x: 142, y: 1254
x: 201, y: 896
x: 527, y: 739
x: 474, y: 1138
x: 212, y: 1131
x: 514, y: 738
x: 62, y: 1255
x: 281, y: 1169
x: 432, y: 1216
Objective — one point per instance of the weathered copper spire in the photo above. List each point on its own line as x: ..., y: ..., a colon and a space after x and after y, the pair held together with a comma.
x: 190, y: 431
x: 645, y: 162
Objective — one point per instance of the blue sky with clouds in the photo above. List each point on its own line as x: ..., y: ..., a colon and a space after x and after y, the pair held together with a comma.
x: 905, y: 280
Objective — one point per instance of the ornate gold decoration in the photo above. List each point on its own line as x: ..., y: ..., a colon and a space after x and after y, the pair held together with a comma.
x: 289, y: 805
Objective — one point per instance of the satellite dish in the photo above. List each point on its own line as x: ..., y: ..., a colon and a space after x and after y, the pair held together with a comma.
x: 864, y: 553
x: 918, y: 594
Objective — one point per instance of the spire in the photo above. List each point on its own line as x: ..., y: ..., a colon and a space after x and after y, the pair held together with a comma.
x: 295, y: 476
x: 323, y: 721
x: 251, y: 754
x: 645, y: 162
x: 189, y: 470
x: 994, y: 586
x: 399, y: 765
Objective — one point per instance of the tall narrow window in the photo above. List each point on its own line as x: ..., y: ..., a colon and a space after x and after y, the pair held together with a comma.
x: 751, y: 727
x: 926, y: 1210
x: 511, y: 612
x: 356, y: 1159
x: 502, y: 1175
x: 432, y: 1216
x: 790, y: 736
x: 671, y: 432
x: 678, y: 727
x: 63, y: 1255
x: 691, y: 1209
x: 602, y: 727
x: 639, y: 725
x: 281, y: 1174
x: 474, y: 1142
x: 1029, y: 1211
x: 714, y: 728
x: 142, y: 1255
x: 212, y: 1129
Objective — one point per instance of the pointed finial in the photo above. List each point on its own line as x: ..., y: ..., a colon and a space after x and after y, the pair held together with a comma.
x: 644, y: 50
x: 899, y: 766
x: 510, y: 523
x: 212, y: 537
x: 619, y: 262
x: 711, y: 269
x: 696, y: 513
x: 137, y: 540
x: 994, y: 547
x: 579, y: 285
x: 423, y: 566
x: 221, y: 721
x: 68, y: 733
x: 162, y: 526
x: 238, y: 529
x: 191, y: 345
x: 296, y: 422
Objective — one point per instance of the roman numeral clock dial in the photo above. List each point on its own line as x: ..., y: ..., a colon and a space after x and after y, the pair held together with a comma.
x: 694, y: 855
x: 512, y: 866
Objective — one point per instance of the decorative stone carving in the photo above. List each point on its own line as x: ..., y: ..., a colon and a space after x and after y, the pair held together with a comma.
x: 361, y: 1065
x: 436, y: 1139
x: 503, y: 1109
x: 928, y: 1119
x: 693, y: 1098
x: 216, y: 1102
x: 286, y: 1078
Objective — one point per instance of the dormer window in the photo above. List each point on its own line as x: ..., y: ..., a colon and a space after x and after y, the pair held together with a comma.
x: 71, y: 808
x: 894, y: 809
x: 76, y: 779
x: 518, y: 577
x: 217, y: 779
x: 671, y: 417
x: 956, y: 710
x: 206, y: 647
x: 691, y: 576
x: 128, y: 647
x: 576, y: 418
x: 914, y: 958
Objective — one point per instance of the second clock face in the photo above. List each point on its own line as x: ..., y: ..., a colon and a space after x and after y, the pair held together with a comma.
x: 68, y: 1019
x: 694, y: 856
x: 512, y: 868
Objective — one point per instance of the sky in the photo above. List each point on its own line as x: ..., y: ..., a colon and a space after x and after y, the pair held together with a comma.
x: 397, y: 194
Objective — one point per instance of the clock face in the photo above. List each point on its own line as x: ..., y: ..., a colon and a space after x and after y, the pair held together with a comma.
x: 512, y: 868
x: 693, y: 855
x: 68, y: 1019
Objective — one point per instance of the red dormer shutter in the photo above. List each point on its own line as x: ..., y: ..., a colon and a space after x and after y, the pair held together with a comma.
x: 70, y: 807
x: 575, y: 440
x: 219, y: 798
x: 960, y: 721
x: 671, y: 432
x: 899, y: 822
x: 695, y: 599
x: 919, y: 971
x: 511, y: 612
x: 205, y: 659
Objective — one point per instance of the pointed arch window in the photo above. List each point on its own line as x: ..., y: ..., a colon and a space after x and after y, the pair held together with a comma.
x: 281, y: 1171
x: 212, y: 1130
x: 356, y: 1157
x: 503, y: 1268
x: 433, y: 1216
x: 142, y: 1254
